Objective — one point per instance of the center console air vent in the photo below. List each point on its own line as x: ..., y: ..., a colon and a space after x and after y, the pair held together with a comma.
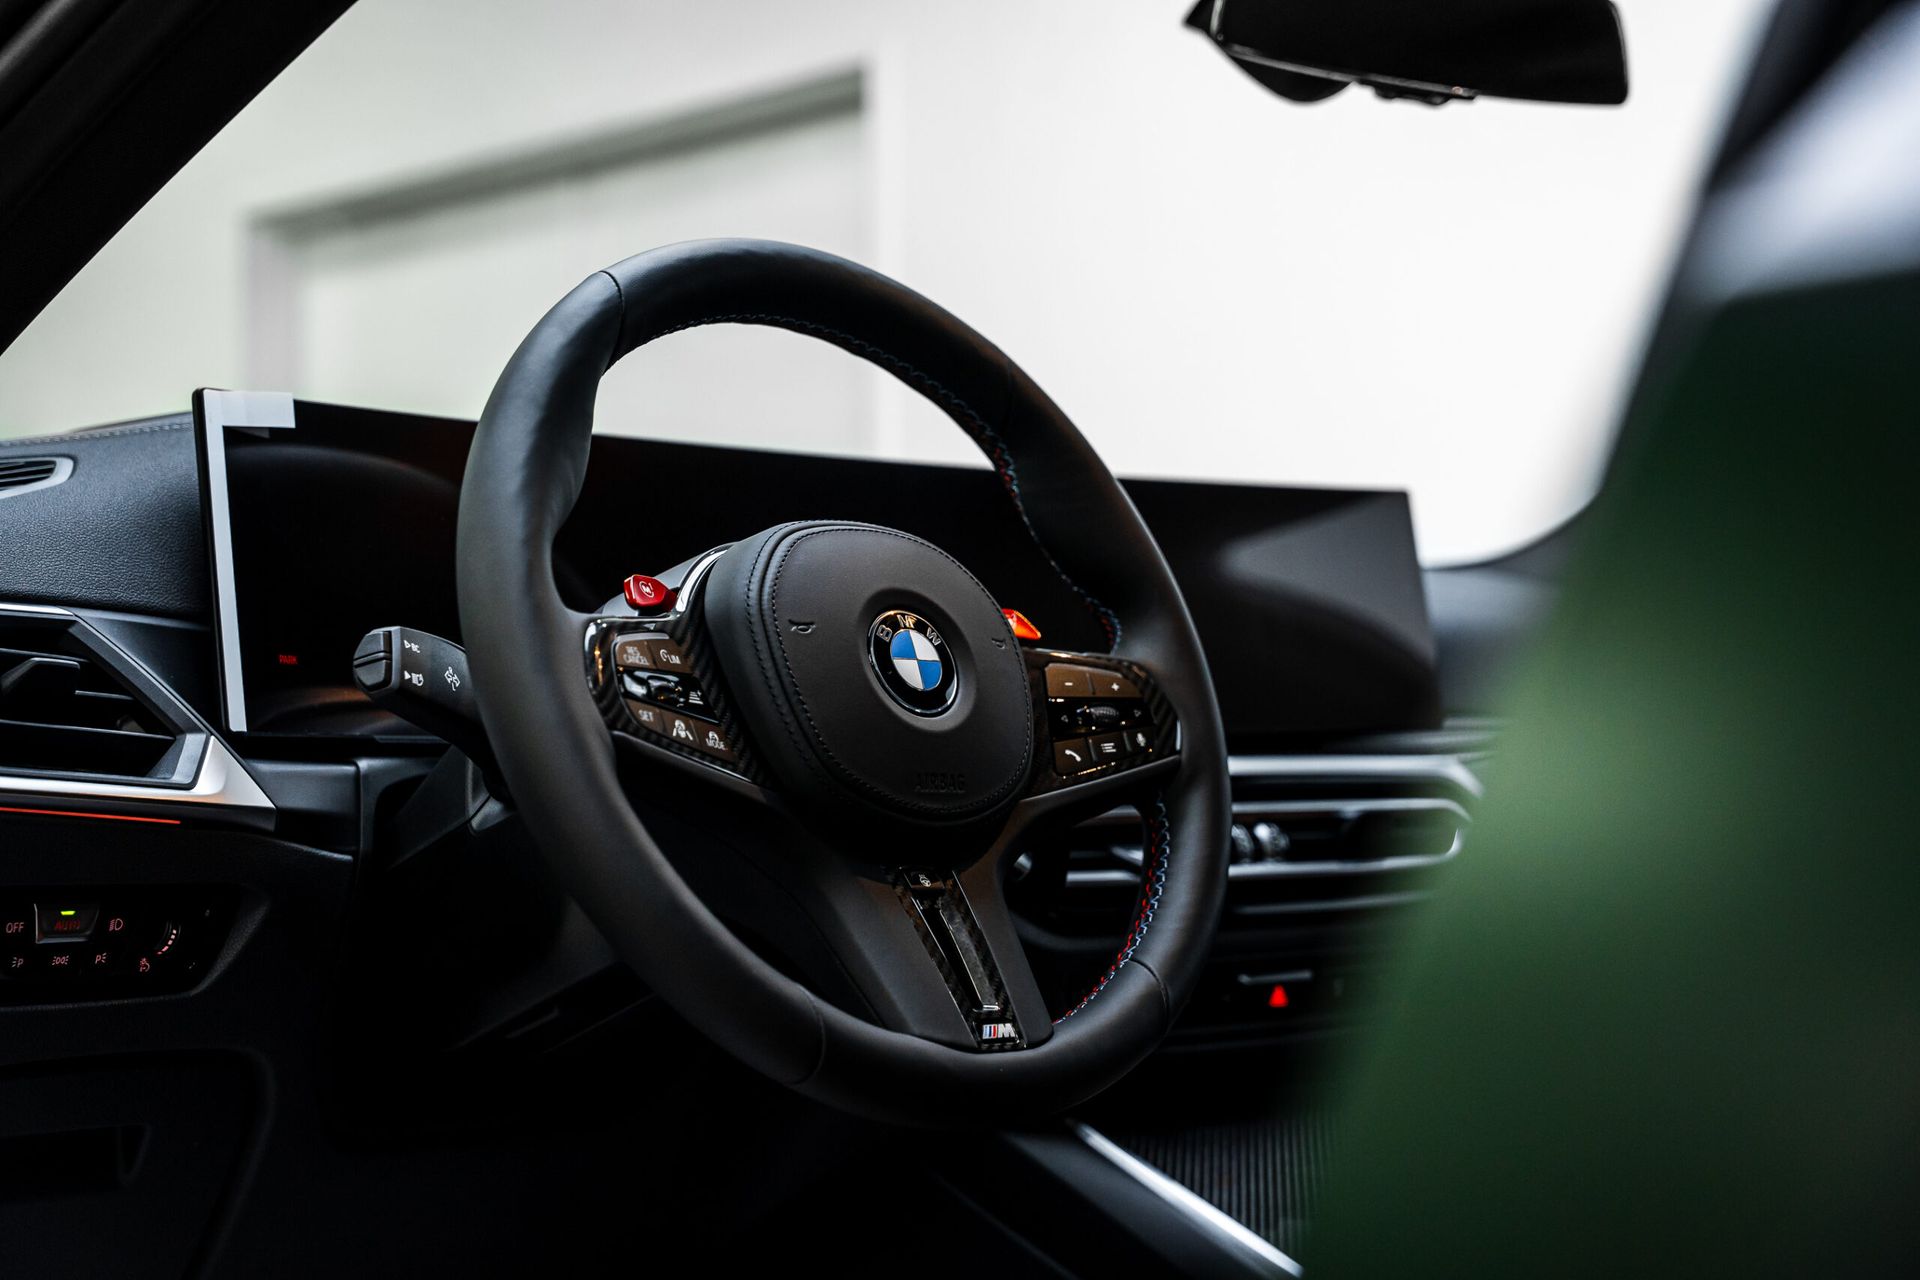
x: 1310, y: 833
x: 64, y: 710
x: 19, y: 475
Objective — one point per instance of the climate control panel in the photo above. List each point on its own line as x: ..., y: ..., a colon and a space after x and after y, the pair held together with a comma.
x: 95, y: 943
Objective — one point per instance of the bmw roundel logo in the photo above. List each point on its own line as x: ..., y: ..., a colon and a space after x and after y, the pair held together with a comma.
x: 912, y: 662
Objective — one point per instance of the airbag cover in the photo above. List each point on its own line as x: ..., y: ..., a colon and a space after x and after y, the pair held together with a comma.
x: 792, y: 613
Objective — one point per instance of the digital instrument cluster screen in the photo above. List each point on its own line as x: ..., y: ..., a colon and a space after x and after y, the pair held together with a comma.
x: 323, y: 524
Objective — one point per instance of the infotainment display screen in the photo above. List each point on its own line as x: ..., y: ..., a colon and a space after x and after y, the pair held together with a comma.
x: 323, y: 524
x: 327, y: 522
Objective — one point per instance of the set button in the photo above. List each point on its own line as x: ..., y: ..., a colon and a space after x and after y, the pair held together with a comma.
x: 650, y: 717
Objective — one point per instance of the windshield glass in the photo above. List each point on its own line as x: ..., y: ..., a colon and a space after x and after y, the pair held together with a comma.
x: 1212, y: 281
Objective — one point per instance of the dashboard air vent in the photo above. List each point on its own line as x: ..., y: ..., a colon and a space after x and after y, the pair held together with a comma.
x: 63, y: 712
x: 20, y: 475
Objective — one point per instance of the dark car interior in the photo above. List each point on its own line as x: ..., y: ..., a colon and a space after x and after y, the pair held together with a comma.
x: 488, y: 847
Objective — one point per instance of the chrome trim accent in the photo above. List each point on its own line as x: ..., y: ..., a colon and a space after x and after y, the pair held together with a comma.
x: 1434, y: 768
x: 62, y: 470
x: 268, y: 410
x: 1226, y: 1229
x: 220, y: 780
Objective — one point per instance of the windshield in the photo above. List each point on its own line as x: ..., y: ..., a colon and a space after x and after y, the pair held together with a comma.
x: 1213, y: 282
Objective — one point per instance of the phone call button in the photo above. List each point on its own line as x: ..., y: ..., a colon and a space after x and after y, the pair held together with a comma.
x: 1072, y: 756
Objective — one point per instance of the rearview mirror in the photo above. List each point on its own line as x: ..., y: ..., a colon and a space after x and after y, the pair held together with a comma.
x: 1433, y: 51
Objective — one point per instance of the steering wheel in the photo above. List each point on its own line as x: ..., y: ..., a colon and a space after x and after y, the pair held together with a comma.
x: 878, y: 740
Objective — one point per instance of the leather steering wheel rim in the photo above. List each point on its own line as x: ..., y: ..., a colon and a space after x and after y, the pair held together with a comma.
x: 524, y: 473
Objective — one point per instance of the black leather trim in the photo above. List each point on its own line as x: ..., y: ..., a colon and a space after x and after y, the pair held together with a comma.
x: 524, y: 473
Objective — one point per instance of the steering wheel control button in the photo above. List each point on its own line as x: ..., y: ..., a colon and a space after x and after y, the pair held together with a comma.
x: 713, y: 741
x: 1111, y: 684
x: 647, y: 595
x: 64, y: 921
x: 648, y: 717
x: 633, y: 654
x: 668, y: 656
x: 693, y: 699
x: 1065, y: 681
x: 912, y: 660
x: 1109, y: 747
x: 1073, y: 756
x: 701, y: 735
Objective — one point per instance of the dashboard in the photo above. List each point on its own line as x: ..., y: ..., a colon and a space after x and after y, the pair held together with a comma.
x: 301, y: 874
x: 336, y: 521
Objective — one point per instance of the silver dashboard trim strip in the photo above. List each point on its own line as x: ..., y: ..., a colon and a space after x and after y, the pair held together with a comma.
x: 1223, y: 1227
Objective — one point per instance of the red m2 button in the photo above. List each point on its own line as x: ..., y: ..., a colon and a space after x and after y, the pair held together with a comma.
x: 647, y: 594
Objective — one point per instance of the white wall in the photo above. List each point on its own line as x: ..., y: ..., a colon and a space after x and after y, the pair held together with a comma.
x: 1211, y: 281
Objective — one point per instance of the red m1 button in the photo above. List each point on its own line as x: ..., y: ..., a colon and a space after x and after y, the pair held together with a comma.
x: 647, y: 594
